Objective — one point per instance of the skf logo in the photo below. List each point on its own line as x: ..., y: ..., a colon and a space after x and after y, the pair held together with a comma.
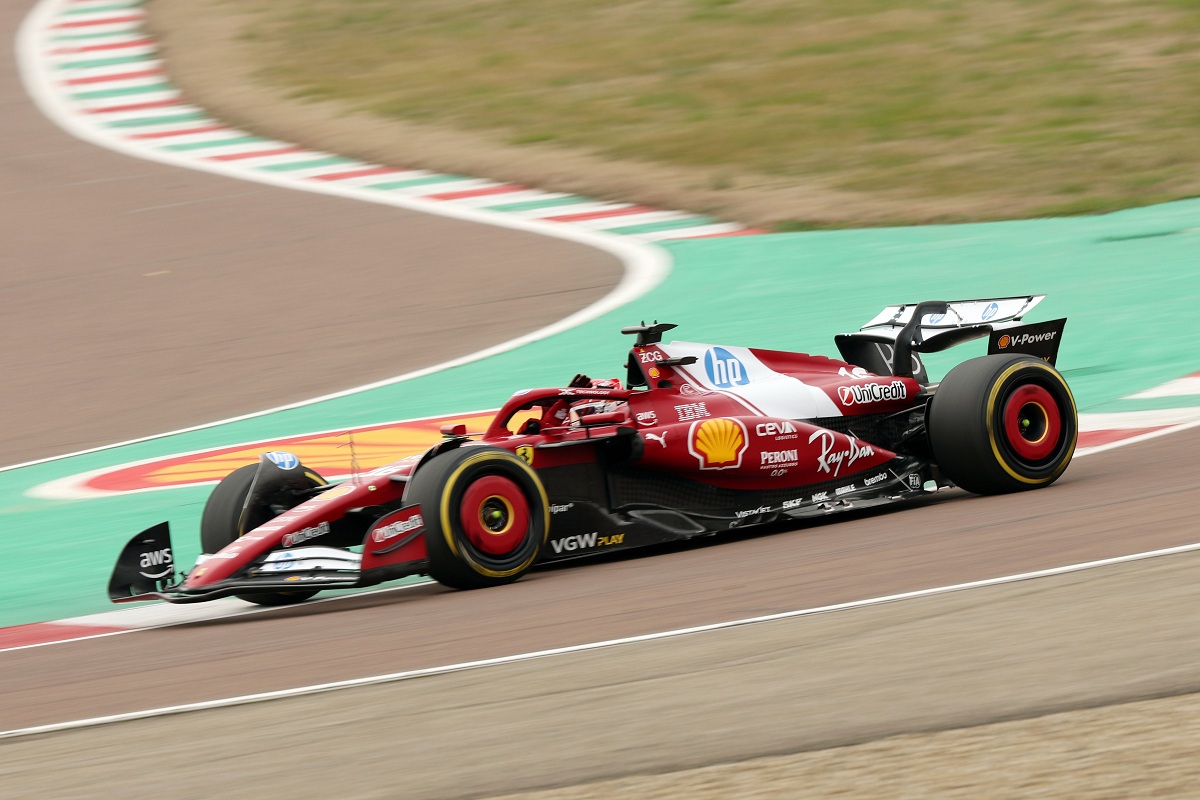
x: 724, y: 369
x: 525, y: 452
x: 718, y: 443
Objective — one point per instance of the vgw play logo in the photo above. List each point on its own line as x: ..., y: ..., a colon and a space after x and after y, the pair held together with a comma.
x: 724, y: 369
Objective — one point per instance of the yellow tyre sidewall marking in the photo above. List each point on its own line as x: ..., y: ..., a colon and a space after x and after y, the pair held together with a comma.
x: 448, y: 530
x: 991, y: 409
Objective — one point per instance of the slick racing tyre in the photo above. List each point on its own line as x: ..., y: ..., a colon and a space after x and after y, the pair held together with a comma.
x: 1002, y: 423
x: 486, y: 516
x: 222, y: 521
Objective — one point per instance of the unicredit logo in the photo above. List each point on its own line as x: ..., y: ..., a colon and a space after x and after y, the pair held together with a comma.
x: 872, y: 393
x: 381, y: 535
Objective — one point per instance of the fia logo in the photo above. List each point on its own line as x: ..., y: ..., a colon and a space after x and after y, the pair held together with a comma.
x: 724, y: 369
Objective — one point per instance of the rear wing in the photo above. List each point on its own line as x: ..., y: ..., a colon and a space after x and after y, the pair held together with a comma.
x: 891, y: 342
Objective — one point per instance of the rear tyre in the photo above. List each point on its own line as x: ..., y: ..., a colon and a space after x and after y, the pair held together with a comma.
x: 1002, y: 423
x: 222, y: 522
x: 486, y: 516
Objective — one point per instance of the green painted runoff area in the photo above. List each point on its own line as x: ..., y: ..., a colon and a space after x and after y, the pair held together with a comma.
x: 1127, y: 282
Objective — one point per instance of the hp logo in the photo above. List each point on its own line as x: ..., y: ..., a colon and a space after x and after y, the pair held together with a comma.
x: 724, y: 369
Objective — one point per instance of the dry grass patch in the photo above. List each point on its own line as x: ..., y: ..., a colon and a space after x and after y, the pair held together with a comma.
x: 936, y: 110
x: 1049, y: 107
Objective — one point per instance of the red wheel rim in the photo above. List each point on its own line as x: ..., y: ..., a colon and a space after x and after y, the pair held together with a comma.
x: 1032, y: 422
x: 494, y: 515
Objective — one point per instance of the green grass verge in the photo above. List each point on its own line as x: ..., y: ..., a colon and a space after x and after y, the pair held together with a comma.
x: 990, y: 108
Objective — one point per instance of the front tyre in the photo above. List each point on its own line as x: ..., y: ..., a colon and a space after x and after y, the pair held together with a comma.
x: 1002, y: 423
x: 226, y: 518
x: 486, y: 516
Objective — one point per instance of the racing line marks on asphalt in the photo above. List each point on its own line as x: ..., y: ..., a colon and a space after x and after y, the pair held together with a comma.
x: 582, y: 648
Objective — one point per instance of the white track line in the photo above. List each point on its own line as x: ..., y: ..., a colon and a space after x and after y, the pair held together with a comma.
x: 580, y: 648
x: 167, y: 615
x: 1181, y: 387
x: 1102, y: 448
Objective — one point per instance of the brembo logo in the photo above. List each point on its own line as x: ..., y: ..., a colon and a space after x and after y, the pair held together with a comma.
x: 872, y: 392
x: 387, y: 532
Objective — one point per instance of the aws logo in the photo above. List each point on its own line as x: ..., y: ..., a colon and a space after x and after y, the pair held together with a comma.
x: 724, y: 369
x: 718, y: 443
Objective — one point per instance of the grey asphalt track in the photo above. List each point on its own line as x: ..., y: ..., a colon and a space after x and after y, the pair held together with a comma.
x: 1105, y: 636
x: 141, y: 298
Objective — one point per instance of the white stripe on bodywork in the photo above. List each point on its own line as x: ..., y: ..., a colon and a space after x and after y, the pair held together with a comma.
x: 764, y: 390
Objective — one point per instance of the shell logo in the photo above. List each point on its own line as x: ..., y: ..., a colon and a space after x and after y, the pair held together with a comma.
x: 718, y: 443
x: 1004, y: 341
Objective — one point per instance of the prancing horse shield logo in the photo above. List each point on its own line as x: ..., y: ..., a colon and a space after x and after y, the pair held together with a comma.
x: 525, y: 451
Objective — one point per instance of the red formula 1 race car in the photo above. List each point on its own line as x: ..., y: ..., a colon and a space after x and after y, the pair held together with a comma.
x: 701, y: 439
